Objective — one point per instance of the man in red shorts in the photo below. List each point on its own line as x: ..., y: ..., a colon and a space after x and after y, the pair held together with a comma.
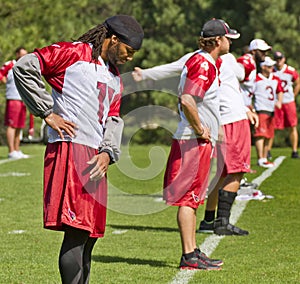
x: 286, y: 117
x: 187, y: 171
x: 15, y: 112
x: 85, y: 131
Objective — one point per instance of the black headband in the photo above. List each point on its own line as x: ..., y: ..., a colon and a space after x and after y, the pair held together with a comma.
x: 127, y: 29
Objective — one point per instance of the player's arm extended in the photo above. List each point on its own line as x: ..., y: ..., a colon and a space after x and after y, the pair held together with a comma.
x: 190, y: 110
x: 162, y: 71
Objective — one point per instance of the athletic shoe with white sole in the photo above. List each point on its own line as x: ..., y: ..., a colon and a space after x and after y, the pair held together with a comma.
x: 265, y: 163
x: 206, y: 227
x: 14, y: 155
x: 22, y: 155
x: 195, y: 263
x: 204, y: 257
x: 244, y: 184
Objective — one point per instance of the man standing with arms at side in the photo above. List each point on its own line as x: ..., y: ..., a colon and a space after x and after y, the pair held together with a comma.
x: 15, y: 112
x: 268, y: 93
x: 286, y: 117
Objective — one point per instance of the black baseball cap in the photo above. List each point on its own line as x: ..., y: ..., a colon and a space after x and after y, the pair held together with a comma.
x: 127, y: 29
x: 218, y: 27
x: 278, y: 55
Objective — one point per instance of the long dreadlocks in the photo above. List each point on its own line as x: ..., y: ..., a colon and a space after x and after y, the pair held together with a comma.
x: 96, y: 37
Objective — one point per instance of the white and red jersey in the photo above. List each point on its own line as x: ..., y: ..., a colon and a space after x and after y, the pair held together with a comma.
x: 232, y: 107
x: 288, y: 75
x: 247, y: 84
x: 11, y: 90
x: 199, y: 78
x: 84, y: 91
x: 265, y: 92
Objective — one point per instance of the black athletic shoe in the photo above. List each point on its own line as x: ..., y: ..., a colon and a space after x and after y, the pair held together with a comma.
x: 195, y: 263
x: 206, y: 227
x: 269, y: 156
x: 223, y: 227
x: 201, y: 255
x: 295, y: 155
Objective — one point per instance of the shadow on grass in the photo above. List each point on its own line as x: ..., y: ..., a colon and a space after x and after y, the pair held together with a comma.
x: 132, y: 261
x: 142, y: 228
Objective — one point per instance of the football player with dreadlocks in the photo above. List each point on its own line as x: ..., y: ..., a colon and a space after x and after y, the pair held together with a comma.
x: 85, y: 131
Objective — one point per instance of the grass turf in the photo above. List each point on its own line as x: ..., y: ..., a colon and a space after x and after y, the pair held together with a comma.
x: 142, y: 243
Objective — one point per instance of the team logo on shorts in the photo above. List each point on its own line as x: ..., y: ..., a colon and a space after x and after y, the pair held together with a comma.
x: 196, y: 197
x: 71, y: 214
x: 246, y: 166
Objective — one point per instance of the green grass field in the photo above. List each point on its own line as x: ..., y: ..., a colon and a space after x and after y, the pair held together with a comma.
x: 142, y: 243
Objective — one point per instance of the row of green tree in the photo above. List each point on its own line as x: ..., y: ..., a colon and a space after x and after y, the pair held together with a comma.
x: 171, y: 30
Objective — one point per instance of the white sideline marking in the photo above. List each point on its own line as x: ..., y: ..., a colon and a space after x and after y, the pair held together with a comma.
x: 158, y: 199
x: 7, y: 161
x: 12, y: 160
x: 211, y: 242
x: 14, y: 174
x: 17, y: 232
x: 119, y: 232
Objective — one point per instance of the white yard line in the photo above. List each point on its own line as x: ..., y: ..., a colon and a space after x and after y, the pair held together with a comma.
x: 14, y: 174
x: 6, y: 161
x: 211, y: 242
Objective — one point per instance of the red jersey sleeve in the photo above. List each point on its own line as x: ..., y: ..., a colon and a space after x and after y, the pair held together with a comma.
x: 248, y: 62
x: 293, y: 72
x: 199, y: 77
x: 5, y: 68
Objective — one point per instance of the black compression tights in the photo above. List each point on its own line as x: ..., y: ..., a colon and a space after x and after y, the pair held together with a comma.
x: 75, y: 256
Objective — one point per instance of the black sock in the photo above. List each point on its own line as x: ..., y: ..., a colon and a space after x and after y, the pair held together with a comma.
x: 226, y: 199
x: 209, y: 216
x: 189, y: 255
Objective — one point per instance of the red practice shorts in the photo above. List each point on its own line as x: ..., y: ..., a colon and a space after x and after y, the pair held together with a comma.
x: 15, y: 114
x: 286, y: 116
x: 234, y: 154
x: 266, y: 126
x: 70, y: 198
x: 187, y: 172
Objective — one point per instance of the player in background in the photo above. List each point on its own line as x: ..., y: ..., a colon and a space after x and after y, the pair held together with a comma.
x: 85, y: 131
x: 268, y: 93
x: 15, y: 111
x: 286, y: 117
x: 256, y: 54
x: 233, y: 154
x: 188, y: 166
